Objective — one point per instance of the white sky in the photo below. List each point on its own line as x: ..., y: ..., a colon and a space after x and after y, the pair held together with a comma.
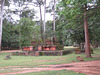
x: 48, y: 15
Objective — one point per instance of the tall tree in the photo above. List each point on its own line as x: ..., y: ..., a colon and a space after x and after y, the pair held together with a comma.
x: 51, y: 9
x: 54, y: 22
x: 21, y: 5
x: 87, y: 40
x: 76, y: 8
x: 28, y: 31
x: 40, y: 3
x: 44, y: 20
x: 1, y: 18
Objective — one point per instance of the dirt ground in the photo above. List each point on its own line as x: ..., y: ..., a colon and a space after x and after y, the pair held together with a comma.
x: 89, y: 68
x: 10, y: 50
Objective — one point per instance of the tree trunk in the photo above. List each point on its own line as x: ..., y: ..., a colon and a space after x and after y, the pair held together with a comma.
x: 44, y: 21
x: 20, y: 44
x: 1, y: 18
x: 41, y: 24
x: 87, y: 41
x: 54, y: 23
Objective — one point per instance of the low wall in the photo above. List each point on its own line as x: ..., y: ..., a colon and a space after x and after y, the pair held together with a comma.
x: 42, y: 53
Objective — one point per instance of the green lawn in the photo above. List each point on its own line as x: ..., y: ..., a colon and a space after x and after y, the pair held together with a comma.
x: 61, y: 72
x: 41, y: 60
x: 33, y: 61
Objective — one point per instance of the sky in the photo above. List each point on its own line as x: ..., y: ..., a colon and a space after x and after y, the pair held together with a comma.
x: 48, y: 15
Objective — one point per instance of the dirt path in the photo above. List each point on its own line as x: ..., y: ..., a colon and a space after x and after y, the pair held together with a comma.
x: 10, y: 50
x: 89, y: 68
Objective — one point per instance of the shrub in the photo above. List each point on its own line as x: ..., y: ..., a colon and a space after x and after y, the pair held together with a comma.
x: 59, y: 46
x: 50, y: 53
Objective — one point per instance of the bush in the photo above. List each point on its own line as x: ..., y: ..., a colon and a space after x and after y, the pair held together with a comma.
x: 50, y: 53
x: 41, y: 53
x: 59, y: 46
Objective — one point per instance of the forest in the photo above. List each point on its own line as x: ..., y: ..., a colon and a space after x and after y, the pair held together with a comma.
x: 69, y: 17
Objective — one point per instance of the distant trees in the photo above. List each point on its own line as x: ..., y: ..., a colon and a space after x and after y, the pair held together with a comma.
x: 14, y: 31
x: 10, y: 36
x: 49, y: 30
x: 29, y: 31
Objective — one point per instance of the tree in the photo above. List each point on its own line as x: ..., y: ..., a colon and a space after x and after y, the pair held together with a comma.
x: 28, y: 31
x: 28, y: 13
x: 49, y: 30
x: 44, y: 21
x: 10, y: 35
x: 51, y: 8
x: 40, y: 3
x: 54, y: 21
x: 71, y: 9
x: 60, y: 31
x: 1, y: 18
x: 22, y: 8
x: 22, y: 4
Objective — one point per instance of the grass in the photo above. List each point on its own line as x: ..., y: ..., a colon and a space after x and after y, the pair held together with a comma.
x: 42, y: 60
x: 8, y: 71
x: 34, y: 61
x: 70, y: 48
x: 96, y: 51
x: 61, y: 72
